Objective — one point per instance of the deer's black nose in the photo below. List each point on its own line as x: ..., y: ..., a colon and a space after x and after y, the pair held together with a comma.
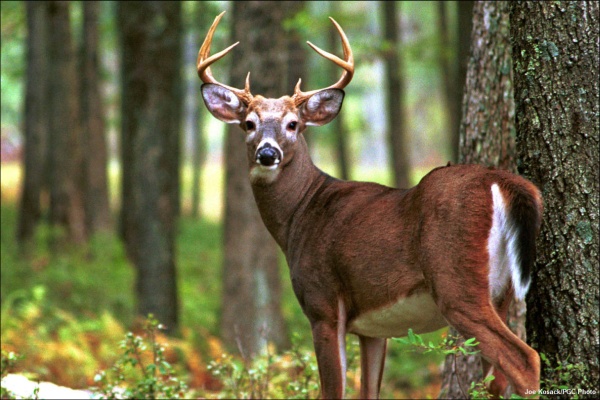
x: 268, y: 155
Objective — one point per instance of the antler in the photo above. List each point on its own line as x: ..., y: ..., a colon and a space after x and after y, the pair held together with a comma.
x: 347, y: 64
x: 204, y: 61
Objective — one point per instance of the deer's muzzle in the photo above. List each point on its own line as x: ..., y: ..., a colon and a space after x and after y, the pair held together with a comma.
x: 267, y: 155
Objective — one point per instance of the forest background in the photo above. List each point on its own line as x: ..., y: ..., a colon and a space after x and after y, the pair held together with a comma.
x: 86, y: 259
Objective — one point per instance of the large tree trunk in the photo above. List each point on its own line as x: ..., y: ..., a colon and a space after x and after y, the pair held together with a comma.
x: 555, y: 48
x: 487, y: 138
x: 151, y: 41
x: 92, y: 116
x: 36, y: 120
x: 251, y: 313
x: 65, y: 141
x: 394, y: 80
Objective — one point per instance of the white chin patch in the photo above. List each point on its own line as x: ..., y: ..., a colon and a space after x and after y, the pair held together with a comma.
x: 262, y: 174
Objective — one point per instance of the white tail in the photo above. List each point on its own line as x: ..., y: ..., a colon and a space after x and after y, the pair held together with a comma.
x: 377, y: 261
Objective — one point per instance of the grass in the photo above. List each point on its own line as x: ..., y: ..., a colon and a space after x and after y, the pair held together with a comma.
x: 65, y: 313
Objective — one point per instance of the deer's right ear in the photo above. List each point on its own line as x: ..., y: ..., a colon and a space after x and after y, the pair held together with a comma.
x: 223, y: 103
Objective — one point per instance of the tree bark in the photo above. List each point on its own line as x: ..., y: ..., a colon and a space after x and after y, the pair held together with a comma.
x: 65, y: 137
x: 555, y: 47
x: 92, y: 116
x: 36, y: 121
x: 394, y: 78
x: 151, y: 42
x: 487, y: 137
x: 251, y: 312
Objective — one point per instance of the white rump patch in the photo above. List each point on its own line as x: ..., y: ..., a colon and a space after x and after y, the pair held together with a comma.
x: 502, y: 248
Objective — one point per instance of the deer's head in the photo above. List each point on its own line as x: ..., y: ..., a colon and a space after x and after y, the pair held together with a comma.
x: 272, y: 126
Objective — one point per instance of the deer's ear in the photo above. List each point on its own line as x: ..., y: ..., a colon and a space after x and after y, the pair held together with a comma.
x: 322, y: 107
x: 223, y: 103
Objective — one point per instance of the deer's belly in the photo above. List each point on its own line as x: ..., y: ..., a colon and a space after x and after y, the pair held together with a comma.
x: 418, y: 312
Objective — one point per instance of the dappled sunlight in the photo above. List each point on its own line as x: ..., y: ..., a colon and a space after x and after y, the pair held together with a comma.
x: 10, y: 179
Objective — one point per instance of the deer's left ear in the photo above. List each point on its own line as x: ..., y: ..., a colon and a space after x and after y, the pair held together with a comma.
x: 322, y: 107
x: 223, y: 103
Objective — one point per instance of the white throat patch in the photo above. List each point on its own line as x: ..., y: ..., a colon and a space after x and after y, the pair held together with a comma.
x: 265, y: 174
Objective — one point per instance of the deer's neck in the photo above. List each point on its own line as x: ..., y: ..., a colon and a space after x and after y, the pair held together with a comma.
x: 280, y: 202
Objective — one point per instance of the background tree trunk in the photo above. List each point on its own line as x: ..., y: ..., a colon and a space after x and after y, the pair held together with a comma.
x: 251, y: 314
x: 296, y: 49
x: 151, y: 40
x: 193, y: 107
x: 337, y: 125
x: 36, y: 120
x: 97, y: 206
x: 65, y: 155
x: 447, y: 55
x: 555, y: 47
x: 463, y: 33
x: 295, y: 46
x: 394, y: 80
x: 487, y: 138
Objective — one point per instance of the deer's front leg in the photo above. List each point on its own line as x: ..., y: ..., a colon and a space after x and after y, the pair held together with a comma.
x: 329, y: 337
x: 372, y: 360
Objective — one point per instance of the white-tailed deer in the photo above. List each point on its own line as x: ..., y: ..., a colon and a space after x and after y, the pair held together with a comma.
x: 375, y: 261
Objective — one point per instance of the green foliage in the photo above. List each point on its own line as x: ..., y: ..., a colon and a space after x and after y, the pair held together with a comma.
x: 141, y: 372
x: 449, y: 345
x: 13, y: 60
x: 564, y: 378
x: 53, y: 343
x: 87, y: 279
x: 292, y: 374
x: 478, y: 390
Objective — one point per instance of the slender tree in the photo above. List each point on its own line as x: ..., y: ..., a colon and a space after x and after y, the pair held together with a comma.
x: 65, y: 137
x: 487, y: 137
x: 337, y: 125
x: 448, y: 72
x: 36, y: 120
x: 193, y: 115
x: 251, y: 312
x: 296, y: 47
x: 464, y: 28
x: 555, y: 50
x: 151, y: 95
x: 92, y: 117
x: 394, y: 74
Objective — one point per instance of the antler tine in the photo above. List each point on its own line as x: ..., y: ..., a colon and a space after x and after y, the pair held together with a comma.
x: 204, y: 61
x: 347, y: 64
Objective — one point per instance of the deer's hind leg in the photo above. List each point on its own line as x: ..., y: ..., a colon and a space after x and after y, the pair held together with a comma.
x: 512, y: 359
x: 498, y: 386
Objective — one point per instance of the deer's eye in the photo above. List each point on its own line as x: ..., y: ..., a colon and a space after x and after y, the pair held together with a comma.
x: 250, y: 125
x: 292, y: 125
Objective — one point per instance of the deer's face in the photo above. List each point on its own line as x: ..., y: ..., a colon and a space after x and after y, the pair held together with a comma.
x: 272, y: 126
